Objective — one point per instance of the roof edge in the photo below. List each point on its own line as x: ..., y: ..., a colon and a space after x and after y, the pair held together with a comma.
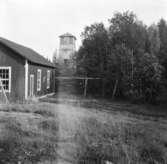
x: 15, y: 50
x: 68, y: 35
x: 24, y: 56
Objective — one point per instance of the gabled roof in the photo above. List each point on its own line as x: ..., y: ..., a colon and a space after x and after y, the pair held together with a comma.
x: 67, y: 34
x: 27, y: 53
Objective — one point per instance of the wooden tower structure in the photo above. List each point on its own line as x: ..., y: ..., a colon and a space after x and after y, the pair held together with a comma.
x: 67, y: 47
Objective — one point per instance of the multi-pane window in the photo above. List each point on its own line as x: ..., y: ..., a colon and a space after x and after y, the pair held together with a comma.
x: 66, y: 39
x: 38, y: 80
x: 5, y: 75
x: 48, y: 79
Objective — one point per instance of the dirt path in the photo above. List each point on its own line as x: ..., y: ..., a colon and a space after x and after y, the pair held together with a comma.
x: 70, y: 121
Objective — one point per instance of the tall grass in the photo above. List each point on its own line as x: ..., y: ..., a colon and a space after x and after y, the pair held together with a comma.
x: 28, y: 144
x: 117, y: 143
x: 49, y: 133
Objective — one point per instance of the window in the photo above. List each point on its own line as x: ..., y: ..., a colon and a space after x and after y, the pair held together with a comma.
x: 66, y: 40
x: 5, y: 75
x: 48, y: 79
x: 38, y: 80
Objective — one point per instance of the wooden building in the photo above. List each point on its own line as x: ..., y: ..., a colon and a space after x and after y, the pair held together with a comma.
x: 66, y: 47
x: 24, y: 73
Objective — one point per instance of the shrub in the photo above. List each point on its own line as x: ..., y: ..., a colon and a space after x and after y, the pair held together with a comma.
x: 44, y: 112
x: 49, y: 125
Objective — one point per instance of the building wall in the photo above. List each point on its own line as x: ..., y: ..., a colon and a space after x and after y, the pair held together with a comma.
x: 9, y: 58
x: 65, y: 51
x: 71, y: 40
x: 32, y: 70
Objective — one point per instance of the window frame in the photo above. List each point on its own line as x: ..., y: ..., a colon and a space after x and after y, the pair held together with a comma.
x: 39, y: 80
x: 48, y: 79
x: 9, y: 68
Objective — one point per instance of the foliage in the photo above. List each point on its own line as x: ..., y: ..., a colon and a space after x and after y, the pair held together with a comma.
x: 55, y: 58
x: 128, y: 55
x: 93, y: 53
x: 69, y: 68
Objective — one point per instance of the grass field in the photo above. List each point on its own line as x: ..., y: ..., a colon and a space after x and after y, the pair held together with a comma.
x: 83, y: 131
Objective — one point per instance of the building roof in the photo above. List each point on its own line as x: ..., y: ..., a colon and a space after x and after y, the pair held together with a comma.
x: 67, y: 34
x: 27, y: 53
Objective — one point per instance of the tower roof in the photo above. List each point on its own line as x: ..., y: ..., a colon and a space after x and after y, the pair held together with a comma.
x: 67, y: 34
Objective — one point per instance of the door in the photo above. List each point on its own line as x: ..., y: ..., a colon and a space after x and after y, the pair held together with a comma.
x: 31, y: 86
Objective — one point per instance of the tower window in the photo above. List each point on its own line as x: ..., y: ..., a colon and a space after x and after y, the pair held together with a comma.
x: 66, y: 40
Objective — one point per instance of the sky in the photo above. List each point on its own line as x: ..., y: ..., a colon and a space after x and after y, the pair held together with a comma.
x: 37, y: 24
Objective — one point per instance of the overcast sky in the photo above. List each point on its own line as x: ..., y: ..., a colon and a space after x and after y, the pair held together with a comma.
x: 39, y: 23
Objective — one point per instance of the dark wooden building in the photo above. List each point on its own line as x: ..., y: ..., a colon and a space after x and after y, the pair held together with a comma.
x: 24, y: 73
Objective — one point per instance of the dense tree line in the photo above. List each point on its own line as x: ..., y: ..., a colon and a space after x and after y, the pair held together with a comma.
x: 129, y: 57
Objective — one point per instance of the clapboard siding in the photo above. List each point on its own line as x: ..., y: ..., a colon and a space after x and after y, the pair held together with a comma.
x: 71, y: 40
x: 33, y: 71
x: 9, y: 58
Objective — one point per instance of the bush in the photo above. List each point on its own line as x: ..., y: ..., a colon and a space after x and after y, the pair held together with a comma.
x: 134, y: 97
x: 44, y: 112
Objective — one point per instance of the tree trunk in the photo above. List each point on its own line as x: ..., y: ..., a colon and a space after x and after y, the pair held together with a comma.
x: 103, y: 87
x: 132, y: 70
x: 116, y: 82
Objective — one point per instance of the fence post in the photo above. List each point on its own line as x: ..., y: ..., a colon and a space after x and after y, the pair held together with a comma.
x: 85, y: 90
